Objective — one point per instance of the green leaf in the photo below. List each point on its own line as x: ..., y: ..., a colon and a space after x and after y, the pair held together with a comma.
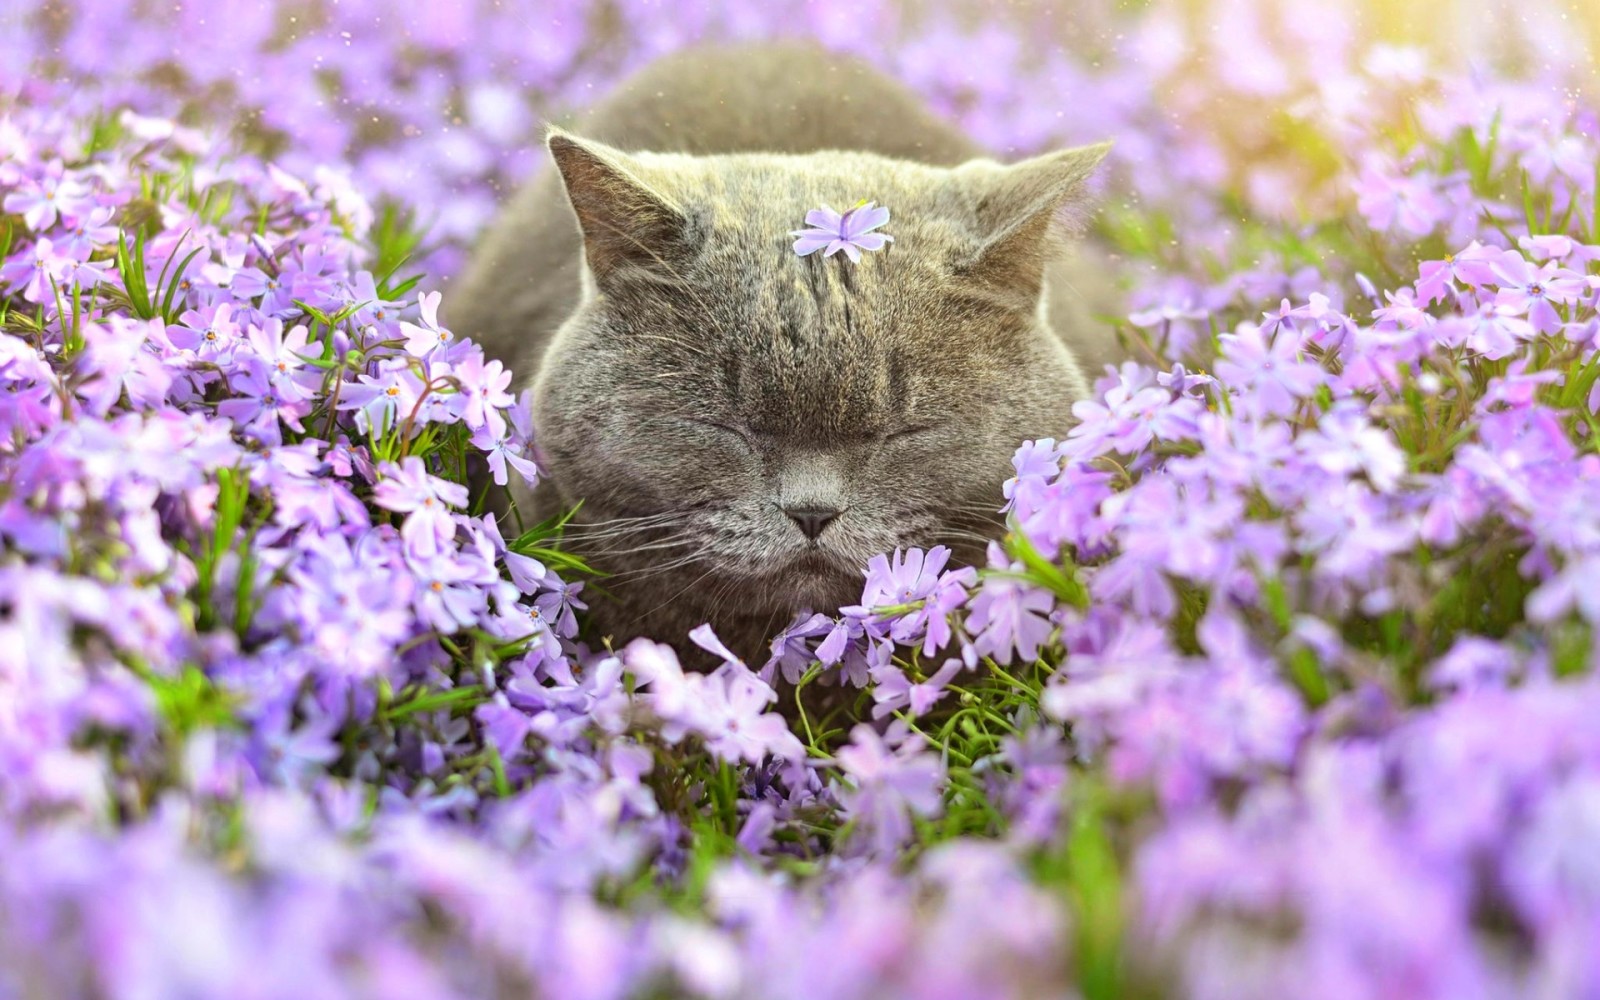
x: 1063, y: 582
x: 469, y: 694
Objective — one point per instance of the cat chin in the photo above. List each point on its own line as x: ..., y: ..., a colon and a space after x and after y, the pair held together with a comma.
x: 813, y: 581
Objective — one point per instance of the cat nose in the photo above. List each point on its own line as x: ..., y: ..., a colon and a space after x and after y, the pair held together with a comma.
x: 811, y: 519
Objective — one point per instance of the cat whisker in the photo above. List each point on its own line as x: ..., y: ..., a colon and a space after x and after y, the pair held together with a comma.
x: 662, y: 546
x: 677, y: 594
x: 655, y: 569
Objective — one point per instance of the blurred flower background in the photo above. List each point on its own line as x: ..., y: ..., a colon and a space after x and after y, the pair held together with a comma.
x: 1280, y: 683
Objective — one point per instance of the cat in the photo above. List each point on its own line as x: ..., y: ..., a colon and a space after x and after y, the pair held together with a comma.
x: 745, y: 426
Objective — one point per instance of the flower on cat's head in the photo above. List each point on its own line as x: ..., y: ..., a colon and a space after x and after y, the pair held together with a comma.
x: 851, y: 231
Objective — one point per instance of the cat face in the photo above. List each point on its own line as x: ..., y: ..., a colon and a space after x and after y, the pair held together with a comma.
x: 752, y: 426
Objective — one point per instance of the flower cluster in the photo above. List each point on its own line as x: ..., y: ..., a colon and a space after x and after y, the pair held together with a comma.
x: 1281, y: 679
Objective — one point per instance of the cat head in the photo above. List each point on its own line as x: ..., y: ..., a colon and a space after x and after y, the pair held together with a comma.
x: 774, y: 420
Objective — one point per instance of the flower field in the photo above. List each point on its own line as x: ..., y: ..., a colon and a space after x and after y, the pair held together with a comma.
x: 1282, y: 681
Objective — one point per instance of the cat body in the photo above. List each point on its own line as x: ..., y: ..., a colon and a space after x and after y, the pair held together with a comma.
x: 746, y: 427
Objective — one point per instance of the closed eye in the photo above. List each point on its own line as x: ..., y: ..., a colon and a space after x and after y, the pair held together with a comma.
x: 727, y: 429
x: 910, y: 431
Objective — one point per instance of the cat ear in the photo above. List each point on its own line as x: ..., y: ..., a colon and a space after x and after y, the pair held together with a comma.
x: 625, y: 222
x: 1019, y: 208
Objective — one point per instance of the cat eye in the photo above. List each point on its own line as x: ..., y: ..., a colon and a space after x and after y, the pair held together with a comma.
x: 744, y: 436
x: 911, y: 431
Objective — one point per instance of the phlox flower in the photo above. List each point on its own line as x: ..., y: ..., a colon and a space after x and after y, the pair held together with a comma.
x: 208, y: 331
x: 559, y: 603
x: 83, y: 233
x: 851, y: 231
x: 790, y: 650
x: 1401, y: 311
x: 729, y: 712
x: 44, y: 199
x: 450, y: 592
x: 727, y: 708
x: 893, y: 690
x: 119, y: 364
x: 425, y: 499
x: 483, y: 388
x: 1390, y: 200
x: 504, y: 455
x: 916, y: 578
x: 1492, y: 330
x: 1182, y: 382
x: 1066, y: 510
x: 384, y: 400
x: 381, y: 314
x: 1571, y: 589
x: 261, y: 399
x: 1009, y: 617
x: 1554, y: 246
x: 429, y: 337
x: 281, y: 351
x: 657, y: 668
x: 1270, y: 373
x: 1346, y: 442
x: 1472, y: 267
x: 1036, y: 463
x: 1179, y: 324
x: 33, y: 269
x: 505, y: 727
x: 1128, y: 421
x: 528, y: 573
x: 1535, y: 292
x: 886, y: 785
x: 275, y: 293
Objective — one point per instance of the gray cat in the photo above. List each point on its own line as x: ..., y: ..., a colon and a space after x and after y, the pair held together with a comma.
x: 746, y: 427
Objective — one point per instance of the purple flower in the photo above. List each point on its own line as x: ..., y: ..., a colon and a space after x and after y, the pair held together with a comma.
x: 791, y: 653
x: 1128, y: 420
x: 208, y: 331
x: 276, y: 294
x: 1270, y: 373
x: 893, y: 690
x: 850, y: 232
x: 887, y: 786
x: 424, y: 340
x: 261, y: 400
x: 729, y: 712
x: 41, y: 200
x: 384, y: 400
x: 33, y: 269
x: 912, y: 592
x: 1473, y: 267
x: 1535, y: 292
x: 425, y: 500
x: 483, y: 386
x: 449, y: 593
x: 1009, y: 617
x: 559, y: 604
